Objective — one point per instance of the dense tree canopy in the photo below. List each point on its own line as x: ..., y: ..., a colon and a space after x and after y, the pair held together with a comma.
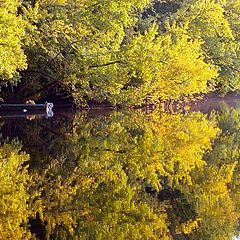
x: 216, y: 24
x: 118, y: 52
x: 12, y: 28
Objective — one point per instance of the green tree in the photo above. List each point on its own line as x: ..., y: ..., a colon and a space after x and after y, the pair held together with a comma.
x: 12, y: 58
x: 90, y: 52
x: 214, y: 23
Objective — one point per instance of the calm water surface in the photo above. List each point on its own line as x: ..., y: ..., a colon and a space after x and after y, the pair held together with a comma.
x: 122, y: 175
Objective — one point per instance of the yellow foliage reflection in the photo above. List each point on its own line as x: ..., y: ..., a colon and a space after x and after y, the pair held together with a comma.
x: 14, y: 180
x: 123, y: 176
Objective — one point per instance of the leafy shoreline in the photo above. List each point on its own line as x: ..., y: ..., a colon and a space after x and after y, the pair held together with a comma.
x: 121, y: 52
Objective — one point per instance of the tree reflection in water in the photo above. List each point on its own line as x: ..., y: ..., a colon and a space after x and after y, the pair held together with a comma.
x: 121, y: 175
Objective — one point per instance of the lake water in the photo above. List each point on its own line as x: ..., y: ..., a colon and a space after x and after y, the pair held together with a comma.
x: 139, y: 174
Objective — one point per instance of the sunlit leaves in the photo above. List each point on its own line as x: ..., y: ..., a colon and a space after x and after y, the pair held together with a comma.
x: 215, y: 23
x: 12, y: 26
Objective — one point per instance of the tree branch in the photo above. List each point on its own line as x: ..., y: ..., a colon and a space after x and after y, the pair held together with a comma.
x: 105, y: 64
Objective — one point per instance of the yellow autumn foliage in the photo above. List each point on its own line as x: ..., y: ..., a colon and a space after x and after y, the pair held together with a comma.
x: 14, y: 180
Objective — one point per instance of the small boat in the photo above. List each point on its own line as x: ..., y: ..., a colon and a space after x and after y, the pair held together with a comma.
x: 27, y: 108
